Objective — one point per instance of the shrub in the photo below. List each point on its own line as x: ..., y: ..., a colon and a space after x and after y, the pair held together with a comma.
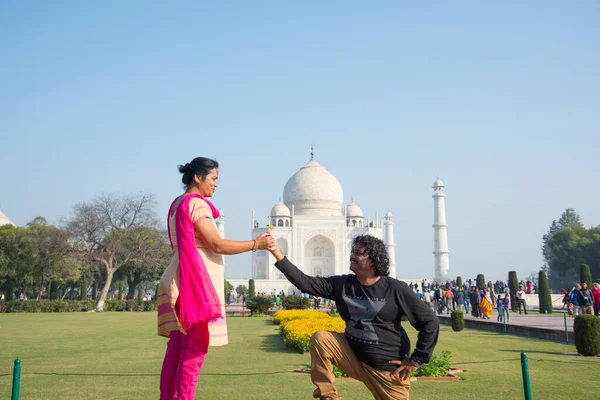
x: 480, y: 281
x: 544, y: 294
x: 131, y: 305
x: 458, y: 320
x: 149, y: 306
x: 114, y: 305
x: 437, y: 366
x: 259, y: 304
x: 587, y: 335
x: 44, y: 306
x: 295, y: 302
x: 513, y: 286
x: 585, y: 275
x: 459, y: 281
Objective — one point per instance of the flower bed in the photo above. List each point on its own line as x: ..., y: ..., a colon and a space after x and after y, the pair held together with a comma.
x: 284, y: 316
x: 298, y: 331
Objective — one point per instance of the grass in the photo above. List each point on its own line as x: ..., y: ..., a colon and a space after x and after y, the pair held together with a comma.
x: 118, y: 356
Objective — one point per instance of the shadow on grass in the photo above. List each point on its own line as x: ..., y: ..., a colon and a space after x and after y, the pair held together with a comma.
x: 274, y: 344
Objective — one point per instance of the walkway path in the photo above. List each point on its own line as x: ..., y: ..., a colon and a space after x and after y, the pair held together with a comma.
x: 533, y: 319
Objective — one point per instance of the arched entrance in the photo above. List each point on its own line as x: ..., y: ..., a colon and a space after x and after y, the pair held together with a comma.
x: 319, y: 255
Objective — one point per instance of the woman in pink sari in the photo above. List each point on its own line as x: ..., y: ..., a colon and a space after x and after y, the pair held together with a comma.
x: 191, y: 307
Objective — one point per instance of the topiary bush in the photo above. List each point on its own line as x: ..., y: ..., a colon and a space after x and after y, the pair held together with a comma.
x: 458, y: 320
x: 259, y: 304
x: 587, y: 335
x: 459, y: 281
x: 513, y: 286
x: 295, y: 302
x: 251, y: 288
x: 480, y: 281
x: 544, y: 294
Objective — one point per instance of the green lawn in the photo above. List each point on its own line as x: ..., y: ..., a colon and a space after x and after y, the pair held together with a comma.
x: 118, y: 356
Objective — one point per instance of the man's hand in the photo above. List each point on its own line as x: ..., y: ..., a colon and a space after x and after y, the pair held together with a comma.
x: 407, y: 367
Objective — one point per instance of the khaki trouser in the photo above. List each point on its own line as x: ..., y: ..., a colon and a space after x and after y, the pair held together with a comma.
x: 327, y: 348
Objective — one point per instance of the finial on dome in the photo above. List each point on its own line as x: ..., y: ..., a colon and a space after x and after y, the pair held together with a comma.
x: 312, y: 152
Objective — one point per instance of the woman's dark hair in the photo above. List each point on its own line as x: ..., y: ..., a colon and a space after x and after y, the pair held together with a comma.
x: 377, y: 252
x: 200, y: 166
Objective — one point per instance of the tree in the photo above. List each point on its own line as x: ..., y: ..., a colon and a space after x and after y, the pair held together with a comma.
x: 558, y: 265
x: 57, y: 261
x: 513, y: 286
x: 18, y: 256
x: 480, y: 281
x: 241, y: 290
x: 228, y: 286
x: 585, y: 274
x: 101, y: 227
x: 544, y: 294
x: 459, y: 281
x: 152, y: 254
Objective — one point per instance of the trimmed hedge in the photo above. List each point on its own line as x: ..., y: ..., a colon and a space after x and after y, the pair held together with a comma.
x: 587, y: 335
x: 458, y: 320
x: 251, y: 288
x: 513, y: 286
x: 459, y: 281
x: 47, y: 306
x: 480, y: 281
x: 544, y: 294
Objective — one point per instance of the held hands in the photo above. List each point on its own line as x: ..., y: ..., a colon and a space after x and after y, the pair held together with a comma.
x: 407, y: 367
x: 265, y: 241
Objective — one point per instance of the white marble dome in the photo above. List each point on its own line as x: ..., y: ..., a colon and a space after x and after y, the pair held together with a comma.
x: 280, y: 210
x: 353, y: 210
x: 438, y: 183
x: 314, y: 191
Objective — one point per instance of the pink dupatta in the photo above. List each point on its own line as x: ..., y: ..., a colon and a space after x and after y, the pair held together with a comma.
x: 198, y: 301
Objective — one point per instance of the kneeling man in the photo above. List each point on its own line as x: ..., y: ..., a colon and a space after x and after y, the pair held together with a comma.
x: 374, y: 349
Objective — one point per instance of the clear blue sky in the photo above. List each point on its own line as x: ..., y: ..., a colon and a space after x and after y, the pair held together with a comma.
x: 501, y: 100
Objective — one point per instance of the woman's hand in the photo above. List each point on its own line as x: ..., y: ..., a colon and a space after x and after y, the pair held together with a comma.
x: 265, y: 241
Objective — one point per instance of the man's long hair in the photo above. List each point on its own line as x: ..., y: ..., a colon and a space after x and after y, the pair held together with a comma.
x: 377, y: 252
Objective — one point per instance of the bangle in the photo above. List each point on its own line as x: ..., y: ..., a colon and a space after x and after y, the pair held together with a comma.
x: 255, y: 246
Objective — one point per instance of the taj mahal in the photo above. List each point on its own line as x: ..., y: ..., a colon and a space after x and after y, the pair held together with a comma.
x: 314, y: 230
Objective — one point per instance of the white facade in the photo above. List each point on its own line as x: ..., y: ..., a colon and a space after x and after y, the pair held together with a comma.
x: 440, y: 233
x: 314, y: 230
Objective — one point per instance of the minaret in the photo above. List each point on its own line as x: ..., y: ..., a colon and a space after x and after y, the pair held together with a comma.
x: 389, y: 242
x: 221, y: 224
x: 440, y: 233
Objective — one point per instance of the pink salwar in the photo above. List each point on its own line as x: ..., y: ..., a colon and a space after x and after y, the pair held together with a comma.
x: 183, y: 362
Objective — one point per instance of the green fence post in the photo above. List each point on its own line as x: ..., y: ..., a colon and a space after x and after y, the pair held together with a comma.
x: 566, y: 328
x: 525, y: 370
x: 16, y: 384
